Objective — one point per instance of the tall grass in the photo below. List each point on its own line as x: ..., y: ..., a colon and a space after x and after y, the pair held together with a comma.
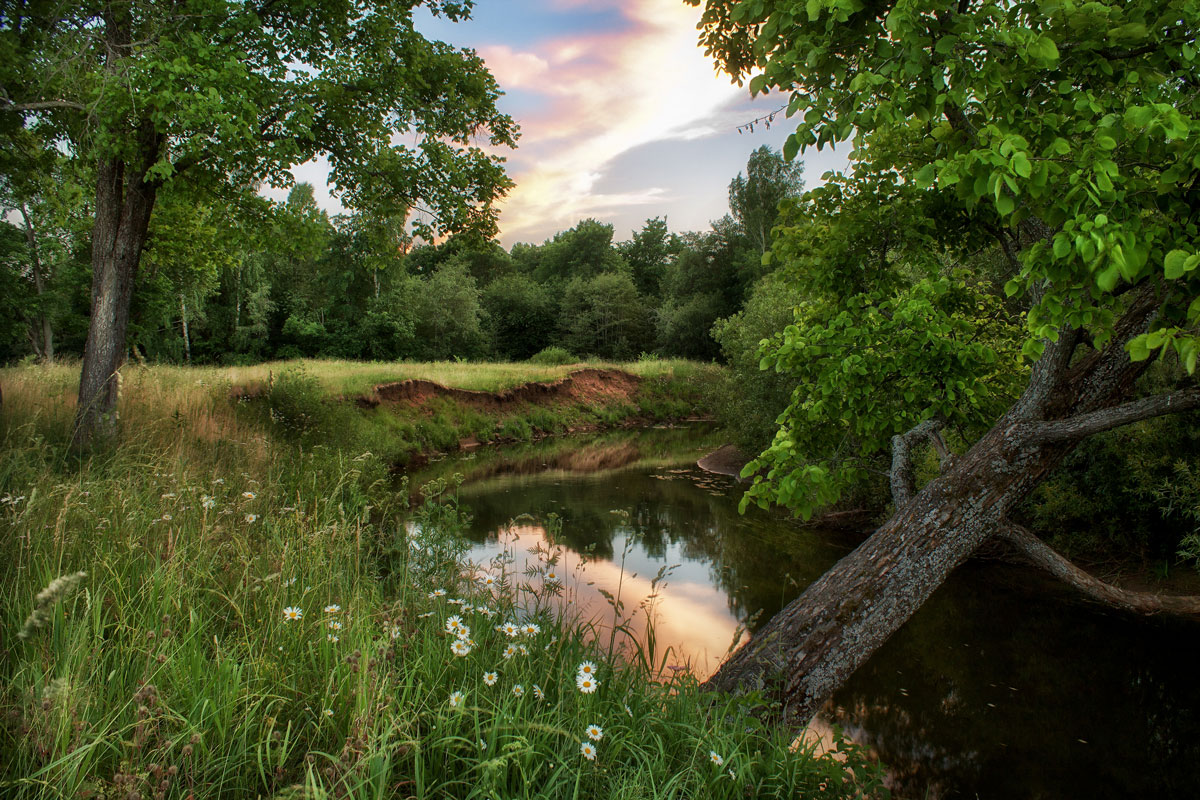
x: 261, y: 618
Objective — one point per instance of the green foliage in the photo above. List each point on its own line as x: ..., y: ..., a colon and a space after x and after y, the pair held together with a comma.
x: 449, y: 314
x: 750, y: 399
x: 604, y: 316
x: 754, y: 198
x: 649, y: 253
x: 553, y: 355
x: 584, y: 252
x: 1061, y: 129
x: 521, y: 316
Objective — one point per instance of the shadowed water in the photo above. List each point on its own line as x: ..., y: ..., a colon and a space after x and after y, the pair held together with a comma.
x: 1004, y: 685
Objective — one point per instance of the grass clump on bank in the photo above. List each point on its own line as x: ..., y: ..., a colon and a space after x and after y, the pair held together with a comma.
x: 256, y: 619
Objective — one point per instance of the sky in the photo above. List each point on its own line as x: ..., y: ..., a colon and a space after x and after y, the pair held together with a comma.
x: 622, y: 116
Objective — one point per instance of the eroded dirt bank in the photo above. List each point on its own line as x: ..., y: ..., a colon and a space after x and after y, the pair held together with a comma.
x: 587, y: 386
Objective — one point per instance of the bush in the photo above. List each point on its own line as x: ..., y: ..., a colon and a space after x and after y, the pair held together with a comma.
x: 553, y: 356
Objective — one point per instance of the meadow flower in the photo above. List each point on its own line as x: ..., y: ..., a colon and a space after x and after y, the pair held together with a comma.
x: 328, y: 712
x: 460, y: 648
x: 208, y: 501
x: 715, y: 758
x: 332, y: 637
x: 588, y: 750
x: 509, y: 652
x: 453, y: 623
x: 467, y: 608
x: 488, y: 580
x: 456, y: 699
x: 292, y: 613
x: 490, y: 678
x: 438, y: 593
x: 509, y: 629
x: 595, y: 732
x: 486, y: 611
x: 518, y: 690
x: 332, y: 608
x: 219, y: 481
x: 586, y: 683
x: 166, y: 517
x: 249, y: 495
x: 335, y: 625
x: 587, y: 668
x: 463, y: 632
x: 482, y: 744
x: 538, y: 693
x: 426, y: 614
x: 522, y: 649
x: 552, y: 575
x: 251, y: 518
x: 628, y: 710
x: 456, y: 601
x: 531, y: 629
x: 290, y: 581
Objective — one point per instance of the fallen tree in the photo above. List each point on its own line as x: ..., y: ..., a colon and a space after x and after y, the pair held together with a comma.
x: 996, y: 145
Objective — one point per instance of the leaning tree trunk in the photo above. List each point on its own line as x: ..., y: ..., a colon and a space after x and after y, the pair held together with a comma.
x: 813, y: 645
x: 46, y: 334
x: 123, y: 206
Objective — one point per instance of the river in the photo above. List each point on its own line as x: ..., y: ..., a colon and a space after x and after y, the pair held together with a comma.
x: 1004, y: 685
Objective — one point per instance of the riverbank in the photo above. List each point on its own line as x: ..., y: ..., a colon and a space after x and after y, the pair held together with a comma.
x: 229, y: 603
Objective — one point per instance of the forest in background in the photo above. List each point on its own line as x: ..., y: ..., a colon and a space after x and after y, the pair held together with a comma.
x: 252, y: 280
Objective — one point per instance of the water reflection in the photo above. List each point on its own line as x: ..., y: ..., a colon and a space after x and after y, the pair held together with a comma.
x: 1003, y: 685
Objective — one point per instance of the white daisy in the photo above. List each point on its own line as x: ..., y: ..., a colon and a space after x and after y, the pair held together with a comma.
x: 586, y: 683
x: 490, y: 678
x: 292, y: 613
x: 538, y: 693
x: 332, y: 608
x: 595, y: 732
x: 531, y: 629
x: 715, y: 758
x: 460, y: 648
x: 518, y: 690
x: 588, y: 750
x: 456, y: 699
x: 587, y: 668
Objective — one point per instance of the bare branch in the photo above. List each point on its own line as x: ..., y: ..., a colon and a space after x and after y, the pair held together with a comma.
x: 1083, y: 425
x: 1042, y: 555
x: 903, y: 482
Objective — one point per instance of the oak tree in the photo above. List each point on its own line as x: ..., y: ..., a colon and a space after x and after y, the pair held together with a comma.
x: 223, y: 94
x: 1067, y: 133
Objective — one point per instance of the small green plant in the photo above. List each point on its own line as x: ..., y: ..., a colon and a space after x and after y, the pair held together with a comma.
x: 553, y: 356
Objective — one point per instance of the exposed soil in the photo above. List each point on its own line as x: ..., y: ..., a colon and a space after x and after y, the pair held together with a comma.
x: 586, y: 386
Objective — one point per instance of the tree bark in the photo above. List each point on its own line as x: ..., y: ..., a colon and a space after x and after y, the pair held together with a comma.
x: 187, y: 341
x: 813, y: 645
x: 124, y: 203
x: 1042, y: 555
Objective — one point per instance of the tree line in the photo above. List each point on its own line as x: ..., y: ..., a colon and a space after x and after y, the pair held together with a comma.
x: 254, y: 279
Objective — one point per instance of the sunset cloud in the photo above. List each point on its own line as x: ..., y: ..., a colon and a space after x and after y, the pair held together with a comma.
x: 606, y: 94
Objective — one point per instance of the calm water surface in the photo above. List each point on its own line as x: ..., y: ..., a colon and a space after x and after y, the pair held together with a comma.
x: 1004, y: 685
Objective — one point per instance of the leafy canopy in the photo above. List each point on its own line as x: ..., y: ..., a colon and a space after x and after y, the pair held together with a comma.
x: 241, y: 92
x: 1067, y: 131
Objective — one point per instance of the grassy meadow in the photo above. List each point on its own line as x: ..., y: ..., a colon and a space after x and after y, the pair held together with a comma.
x: 226, y: 605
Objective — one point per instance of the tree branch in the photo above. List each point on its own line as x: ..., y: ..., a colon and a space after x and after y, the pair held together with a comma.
x: 42, y: 105
x: 903, y: 481
x: 1042, y: 555
x: 1081, y: 426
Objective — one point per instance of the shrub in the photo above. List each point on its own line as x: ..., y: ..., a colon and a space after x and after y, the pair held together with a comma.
x: 553, y: 356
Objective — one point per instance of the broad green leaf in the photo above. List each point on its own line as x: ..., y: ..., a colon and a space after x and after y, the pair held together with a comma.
x: 1176, y: 264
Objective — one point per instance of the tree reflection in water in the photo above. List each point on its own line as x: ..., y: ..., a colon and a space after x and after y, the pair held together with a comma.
x: 1003, y: 685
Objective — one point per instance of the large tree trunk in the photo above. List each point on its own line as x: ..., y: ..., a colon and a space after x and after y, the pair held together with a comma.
x: 124, y: 203
x: 813, y: 645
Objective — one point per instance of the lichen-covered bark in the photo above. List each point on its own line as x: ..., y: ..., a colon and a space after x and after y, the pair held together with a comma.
x: 813, y: 645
